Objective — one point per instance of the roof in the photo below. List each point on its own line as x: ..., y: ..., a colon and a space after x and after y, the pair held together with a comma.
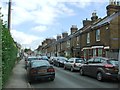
x: 100, y: 22
x: 107, y: 19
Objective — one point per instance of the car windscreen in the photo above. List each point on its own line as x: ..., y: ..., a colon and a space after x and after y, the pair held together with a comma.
x: 40, y: 63
x: 113, y: 62
x: 63, y: 59
x: 79, y: 60
x: 29, y: 59
x: 45, y: 57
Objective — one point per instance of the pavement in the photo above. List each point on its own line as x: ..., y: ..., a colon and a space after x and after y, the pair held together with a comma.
x: 18, y: 78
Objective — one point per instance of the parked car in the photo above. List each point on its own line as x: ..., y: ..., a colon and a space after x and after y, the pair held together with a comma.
x: 39, y: 57
x: 28, y: 59
x: 100, y: 68
x: 40, y: 69
x: 44, y: 58
x: 54, y: 60
x: 60, y: 61
x: 51, y: 59
x: 73, y: 63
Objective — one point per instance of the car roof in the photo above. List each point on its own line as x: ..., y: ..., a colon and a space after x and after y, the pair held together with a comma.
x: 106, y: 58
x: 76, y: 58
x: 39, y: 61
x: 32, y: 57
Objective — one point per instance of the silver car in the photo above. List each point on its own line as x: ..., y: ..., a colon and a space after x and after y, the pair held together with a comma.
x: 73, y: 64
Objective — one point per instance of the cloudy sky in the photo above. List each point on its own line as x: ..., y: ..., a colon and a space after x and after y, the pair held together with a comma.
x: 35, y: 20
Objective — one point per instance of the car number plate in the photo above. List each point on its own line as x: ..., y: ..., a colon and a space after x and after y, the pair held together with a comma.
x: 116, y: 69
x: 42, y: 71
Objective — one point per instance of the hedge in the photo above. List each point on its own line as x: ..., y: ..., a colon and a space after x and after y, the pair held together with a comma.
x: 0, y: 55
x: 9, y: 54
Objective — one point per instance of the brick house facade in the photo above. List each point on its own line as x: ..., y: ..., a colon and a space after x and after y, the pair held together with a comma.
x: 97, y: 37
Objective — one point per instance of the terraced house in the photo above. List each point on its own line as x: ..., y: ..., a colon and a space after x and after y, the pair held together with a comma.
x: 97, y: 37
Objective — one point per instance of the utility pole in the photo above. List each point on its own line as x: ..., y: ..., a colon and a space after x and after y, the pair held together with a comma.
x: 9, y: 14
x: 119, y: 64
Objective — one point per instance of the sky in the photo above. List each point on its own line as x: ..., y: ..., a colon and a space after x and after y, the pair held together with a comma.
x: 32, y: 21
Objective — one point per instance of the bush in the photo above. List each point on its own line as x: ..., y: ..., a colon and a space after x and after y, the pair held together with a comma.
x: 9, y: 54
x: 0, y: 55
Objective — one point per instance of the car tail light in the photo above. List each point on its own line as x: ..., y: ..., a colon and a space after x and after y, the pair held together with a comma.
x: 51, y: 70
x: 74, y: 65
x: 33, y: 71
x: 108, y: 66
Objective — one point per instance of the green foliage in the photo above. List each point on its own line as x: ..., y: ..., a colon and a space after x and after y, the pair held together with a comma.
x: 0, y: 55
x: 26, y: 50
x: 68, y: 57
x: 9, y: 54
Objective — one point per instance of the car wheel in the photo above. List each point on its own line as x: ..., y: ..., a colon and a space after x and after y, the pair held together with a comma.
x: 58, y: 64
x: 30, y: 80
x: 64, y: 67
x: 52, y: 79
x: 81, y: 72
x: 26, y: 67
x: 99, y: 76
x: 71, y: 69
x: 54, y: 64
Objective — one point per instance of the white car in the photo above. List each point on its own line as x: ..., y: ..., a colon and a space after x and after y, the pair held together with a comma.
x: 73, y: 63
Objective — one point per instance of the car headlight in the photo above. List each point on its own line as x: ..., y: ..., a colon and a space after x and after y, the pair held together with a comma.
x: 61, y: 61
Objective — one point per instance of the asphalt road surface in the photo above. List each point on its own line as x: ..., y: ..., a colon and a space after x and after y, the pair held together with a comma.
x: 68, y: 79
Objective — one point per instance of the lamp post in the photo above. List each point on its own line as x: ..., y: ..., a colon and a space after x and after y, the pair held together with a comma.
x: 9, y: 14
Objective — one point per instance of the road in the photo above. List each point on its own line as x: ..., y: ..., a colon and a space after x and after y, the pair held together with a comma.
x: 68, y: 79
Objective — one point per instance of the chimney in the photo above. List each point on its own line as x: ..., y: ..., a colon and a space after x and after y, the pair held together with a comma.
x: 48, y: 40
x: 113, y: 7
x: 86, y: 22
x: 73, y: 29
x: 53, y: 40
x: 58, y: 37
x: 64, y: 34
x: 94, y: 16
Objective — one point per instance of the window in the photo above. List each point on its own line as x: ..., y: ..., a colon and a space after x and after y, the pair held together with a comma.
x: 99, y: 52
x: 78, y: 60
x: 98, y: 35
x: 113, y: 62
x: 88, y: 38
x: 68, y: 43
x: 94, y: 52
x: 90, y: 60
x: 97, y: 60
x: 71, y: 60
x: 77, y: 40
